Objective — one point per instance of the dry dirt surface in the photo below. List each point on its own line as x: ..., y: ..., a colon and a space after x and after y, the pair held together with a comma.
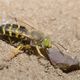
x: 58, y: 18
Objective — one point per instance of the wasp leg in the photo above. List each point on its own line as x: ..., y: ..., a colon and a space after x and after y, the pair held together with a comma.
x: 27, y: 46
x: 16, y: 52
x: 24, y: 48
x: 20, y: 47
x: 11, y: 42
x: 38, y: 50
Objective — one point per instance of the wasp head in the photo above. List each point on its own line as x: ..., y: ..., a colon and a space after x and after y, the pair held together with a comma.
x: 41, y: 40
x: 46, y: 42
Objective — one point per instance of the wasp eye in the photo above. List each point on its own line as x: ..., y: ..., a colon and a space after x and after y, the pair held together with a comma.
x: 46, y: 43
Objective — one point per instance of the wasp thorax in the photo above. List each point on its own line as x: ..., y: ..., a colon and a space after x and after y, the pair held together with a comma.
x: 38, y: 36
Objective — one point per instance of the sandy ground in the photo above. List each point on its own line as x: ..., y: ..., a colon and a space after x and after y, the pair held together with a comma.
x: 58, y: 18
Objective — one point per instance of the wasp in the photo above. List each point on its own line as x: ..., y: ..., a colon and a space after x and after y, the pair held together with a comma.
x: 23, y: 39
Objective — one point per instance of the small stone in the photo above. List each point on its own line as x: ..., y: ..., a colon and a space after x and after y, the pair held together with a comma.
x: 62, y: 61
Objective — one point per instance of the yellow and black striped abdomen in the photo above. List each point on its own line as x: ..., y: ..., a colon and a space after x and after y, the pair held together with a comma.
x: 13, y: 30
